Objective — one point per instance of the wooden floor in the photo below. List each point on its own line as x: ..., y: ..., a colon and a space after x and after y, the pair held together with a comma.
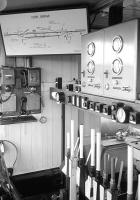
x: 40, y: 185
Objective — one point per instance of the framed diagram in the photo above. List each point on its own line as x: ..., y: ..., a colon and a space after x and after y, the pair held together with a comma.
x: 40, y: 33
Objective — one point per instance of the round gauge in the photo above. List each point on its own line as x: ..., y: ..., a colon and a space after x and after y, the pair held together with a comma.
x: 117, y: 66
x: 91, y: 67
x: 121, y: 115
x: 91, y: 49
x: 83, y: 84
x: 117, y: 44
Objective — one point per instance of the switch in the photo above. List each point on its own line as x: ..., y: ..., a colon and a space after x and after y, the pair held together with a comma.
x: 78, y: 101
x: 106, y: 109
x: 107, y: 86
x: 73, y: 100
x: 106, y: 73
x: 134, y: 117
x: 91, y: 105
x: 83, y: 73
x: 60, y: 97
x: 84, y: 102
x: 99, y: 107
x: 69, y: 99
x: 113, y: 115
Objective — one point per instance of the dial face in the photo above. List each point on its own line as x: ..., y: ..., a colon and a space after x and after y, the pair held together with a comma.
x: 121, y: 115
x: 91, y: 67
x: 117, y: 66
x: 91, y: 49
x: 117, y: 44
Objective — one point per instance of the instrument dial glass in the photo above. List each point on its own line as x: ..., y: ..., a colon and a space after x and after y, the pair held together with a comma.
x: 117, y: 66
x: 117, y: 44
x: 121, y: 115
x: 91, y: 49
x: 91, y: 67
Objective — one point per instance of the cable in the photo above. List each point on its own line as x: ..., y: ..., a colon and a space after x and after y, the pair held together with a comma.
x: 93, y: 20
x: 3, y: 141
x: 4, y: 100
x: 25, y: 79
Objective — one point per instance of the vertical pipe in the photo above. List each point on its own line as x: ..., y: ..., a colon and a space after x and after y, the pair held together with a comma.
x: 112, y: 180
x: 138, y: 187
x: 130, y: 172
x: 72, y: 138
x: 81, y: 141
x: 63, y: 133
x: 68, y: 140
x: 98, y: 151
x: 93, y: 138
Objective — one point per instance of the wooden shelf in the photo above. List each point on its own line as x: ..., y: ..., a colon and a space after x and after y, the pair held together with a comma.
x: 105, y: 100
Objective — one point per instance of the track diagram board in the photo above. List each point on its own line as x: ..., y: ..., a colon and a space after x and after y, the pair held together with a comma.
x: 39, y: 33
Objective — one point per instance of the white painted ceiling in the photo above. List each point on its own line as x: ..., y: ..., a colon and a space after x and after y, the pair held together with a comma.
x: 28, y: 4
x: 131, y: 7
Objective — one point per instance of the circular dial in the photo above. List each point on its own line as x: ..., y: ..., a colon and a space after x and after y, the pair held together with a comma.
x: 91, y: 49
x: 91, y: 67
x: 121, y: 115
x: 117, y: 44
x: 117, y: 66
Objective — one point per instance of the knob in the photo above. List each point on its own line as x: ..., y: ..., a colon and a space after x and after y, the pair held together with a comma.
x: 60, y: 97
x: 134, y: 117
x: 83, y: 73
x: 107, y: 86
x: 106, y: 73
x: 90, y: 80
x: 116, y: 82
x: 83, y: 84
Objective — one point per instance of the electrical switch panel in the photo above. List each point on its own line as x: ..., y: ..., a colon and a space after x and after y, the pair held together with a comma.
x: 20, y: 90
x: 7, y: 76
x: 121, y: 61
x: 33, y: 77
x: 92, y: 63
x: 110, y: 62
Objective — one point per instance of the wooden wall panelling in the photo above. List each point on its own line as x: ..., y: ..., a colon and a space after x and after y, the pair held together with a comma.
x: 57, y: 134
x: 25, y: 148
x: 76, y: 59
x: 12, y: 134
x: 47, y: 128
x: 36, y: 150
x: 67, y: 66
x: 48, y: 71
x: 71, y: 71
x: 39, y: 144
x: 56, y: 112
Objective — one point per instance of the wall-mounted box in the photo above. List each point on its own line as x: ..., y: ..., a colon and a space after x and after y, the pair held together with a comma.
x: 34, y: 77
x: 7, y: 76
